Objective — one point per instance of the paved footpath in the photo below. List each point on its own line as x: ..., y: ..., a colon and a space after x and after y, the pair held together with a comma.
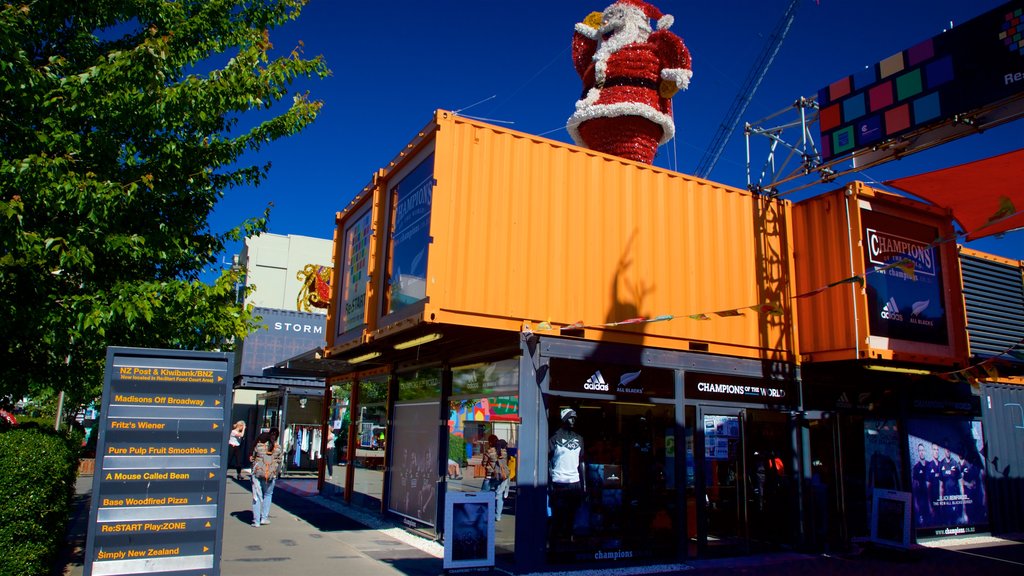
x: 309, y: 534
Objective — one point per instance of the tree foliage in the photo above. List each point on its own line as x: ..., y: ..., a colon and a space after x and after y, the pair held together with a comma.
x: 122, y: 123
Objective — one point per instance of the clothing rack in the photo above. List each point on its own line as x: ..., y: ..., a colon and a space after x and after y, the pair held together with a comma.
x: 301, y: 443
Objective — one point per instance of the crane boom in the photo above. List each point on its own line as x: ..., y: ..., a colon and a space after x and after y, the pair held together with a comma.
x: 746, y: 93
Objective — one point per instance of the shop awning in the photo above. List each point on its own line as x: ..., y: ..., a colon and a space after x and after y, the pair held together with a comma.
x: 986, y: 196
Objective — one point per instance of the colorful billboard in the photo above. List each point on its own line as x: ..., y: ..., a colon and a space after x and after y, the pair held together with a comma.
x: 411, y: 199
x: 354, y: 272
x: 967, y: 68
x: 904, y: 302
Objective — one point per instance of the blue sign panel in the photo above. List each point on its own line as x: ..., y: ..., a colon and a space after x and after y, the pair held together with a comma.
x: 410, y: 236
x: 904, y: 302
x: 158, y: 490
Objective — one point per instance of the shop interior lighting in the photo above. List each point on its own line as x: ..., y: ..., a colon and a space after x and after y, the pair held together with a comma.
x: 364, y: 357
x: 418, y: 341
x: 897, y: 369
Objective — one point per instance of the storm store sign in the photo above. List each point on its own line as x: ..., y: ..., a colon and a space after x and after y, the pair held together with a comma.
x: 295, y: 327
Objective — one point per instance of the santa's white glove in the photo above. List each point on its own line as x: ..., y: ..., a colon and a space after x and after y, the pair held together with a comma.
x: 586, y: 31
x: 673, y: 80
x: 678, y: 76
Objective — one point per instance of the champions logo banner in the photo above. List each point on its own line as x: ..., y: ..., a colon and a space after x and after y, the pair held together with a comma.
x: 904, y: 302
x: 884, y: 249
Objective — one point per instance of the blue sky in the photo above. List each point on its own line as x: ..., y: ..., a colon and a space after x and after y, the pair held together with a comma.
x: 396, y: 62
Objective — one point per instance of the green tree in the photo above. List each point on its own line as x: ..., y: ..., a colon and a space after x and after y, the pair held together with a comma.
x: 122, y: 123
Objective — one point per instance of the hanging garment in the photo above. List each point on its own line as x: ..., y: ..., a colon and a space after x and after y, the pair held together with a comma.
x: 314, y: 444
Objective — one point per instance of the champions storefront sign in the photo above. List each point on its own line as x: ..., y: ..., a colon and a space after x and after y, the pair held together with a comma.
x: 903, y: 303
x: 724, y: 388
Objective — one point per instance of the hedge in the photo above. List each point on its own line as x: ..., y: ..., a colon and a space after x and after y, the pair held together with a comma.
x: 37, y: 484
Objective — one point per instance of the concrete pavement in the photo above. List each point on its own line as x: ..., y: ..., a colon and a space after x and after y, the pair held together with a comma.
x: 311, y: 534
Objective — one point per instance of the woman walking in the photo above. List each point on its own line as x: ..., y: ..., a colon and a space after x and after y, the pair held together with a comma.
x: 266, y: 459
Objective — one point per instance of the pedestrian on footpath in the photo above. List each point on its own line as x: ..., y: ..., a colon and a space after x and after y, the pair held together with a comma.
x: 235, y: 439
x: 266, y: 459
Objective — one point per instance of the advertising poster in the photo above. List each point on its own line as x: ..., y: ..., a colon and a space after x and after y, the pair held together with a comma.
x: 469, y: 530
x: 410, y: 235
x: 947, y: 477
x: 354, y: 273
x: 903, y: 304
x: 414, y: 461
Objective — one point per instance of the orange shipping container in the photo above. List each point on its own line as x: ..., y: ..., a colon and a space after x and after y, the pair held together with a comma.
x: 476, y: 225
x: 877, y: 277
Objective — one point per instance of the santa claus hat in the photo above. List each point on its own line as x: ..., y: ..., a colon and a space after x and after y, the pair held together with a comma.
x: 663, y: 21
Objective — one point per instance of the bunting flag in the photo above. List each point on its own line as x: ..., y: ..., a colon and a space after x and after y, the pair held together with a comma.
x: 624, y: 322
x: 728, y: 313
x: 850, y: 280
x: 1006, y: 209
x: 699, y: 317
x: 769, y: 308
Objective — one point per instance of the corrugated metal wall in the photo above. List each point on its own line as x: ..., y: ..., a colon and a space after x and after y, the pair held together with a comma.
x: 1002, y: 411
x: 531, y: 229
x: 994, y: 295
x: 822, y: 237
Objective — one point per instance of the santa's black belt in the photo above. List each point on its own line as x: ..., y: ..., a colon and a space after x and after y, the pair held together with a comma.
x: 626, y: 81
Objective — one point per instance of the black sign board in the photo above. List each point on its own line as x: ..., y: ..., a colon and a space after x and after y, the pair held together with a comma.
x: 728, y: 388
x: 158, y: 490
x: 605, y: 378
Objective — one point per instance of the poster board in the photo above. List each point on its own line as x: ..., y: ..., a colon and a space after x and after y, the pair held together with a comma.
x: 161, y: 455
x: 469, y: 530
x: 890, y: 518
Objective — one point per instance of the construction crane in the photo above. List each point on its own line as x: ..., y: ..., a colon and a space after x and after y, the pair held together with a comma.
x: 746, y: 93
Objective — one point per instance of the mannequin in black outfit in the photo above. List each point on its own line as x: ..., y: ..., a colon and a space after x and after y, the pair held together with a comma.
x: 568, y: 476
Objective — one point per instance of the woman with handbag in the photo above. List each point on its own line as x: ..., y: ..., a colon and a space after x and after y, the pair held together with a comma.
x: 266, y: 464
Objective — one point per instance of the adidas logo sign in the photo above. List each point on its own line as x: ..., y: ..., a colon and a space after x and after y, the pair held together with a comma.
x: 596, y: 382
x: 891, y: 311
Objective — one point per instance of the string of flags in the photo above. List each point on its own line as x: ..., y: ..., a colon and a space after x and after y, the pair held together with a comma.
x: 984, y: 369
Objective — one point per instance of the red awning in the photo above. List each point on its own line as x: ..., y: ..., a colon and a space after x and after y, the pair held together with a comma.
x: 985, y: 196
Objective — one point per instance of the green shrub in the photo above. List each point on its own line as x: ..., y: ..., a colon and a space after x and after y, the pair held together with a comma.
x: 37, y: 468
x: 457, y: 448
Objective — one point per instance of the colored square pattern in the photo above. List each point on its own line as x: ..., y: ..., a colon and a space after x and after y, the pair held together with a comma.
x: 939, y: 72
x: 853, y: 107
x: 926, y: 108
x: 914, y: 89
x: 923, y: 51
x: 842, y: 140
x: 864, y: 78
x: 908, y: 85
x: 891, y: 65
x: 1011, y: 34
x: 839, y: 88
x: 897, y: 119
x: 830, y: 117
x: 880, y: 96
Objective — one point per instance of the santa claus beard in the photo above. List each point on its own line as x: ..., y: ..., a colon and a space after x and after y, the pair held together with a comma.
x: 630, y: 29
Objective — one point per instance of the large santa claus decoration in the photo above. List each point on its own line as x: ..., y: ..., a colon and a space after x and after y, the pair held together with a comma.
x: 630, y: 74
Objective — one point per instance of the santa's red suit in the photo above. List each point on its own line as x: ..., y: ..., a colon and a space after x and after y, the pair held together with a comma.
x: 630, y: 74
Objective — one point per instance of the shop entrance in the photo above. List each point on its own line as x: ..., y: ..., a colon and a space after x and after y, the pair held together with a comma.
x: 744, y: 459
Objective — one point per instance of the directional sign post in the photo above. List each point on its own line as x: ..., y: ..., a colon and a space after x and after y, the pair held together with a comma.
x: 161, y: 455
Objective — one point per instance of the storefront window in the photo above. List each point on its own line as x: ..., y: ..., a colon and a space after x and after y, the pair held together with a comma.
x: 368, y: 461
x: 485, y: 404
x: 621, y: 502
